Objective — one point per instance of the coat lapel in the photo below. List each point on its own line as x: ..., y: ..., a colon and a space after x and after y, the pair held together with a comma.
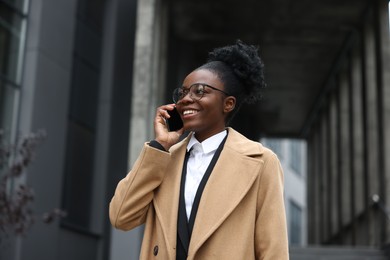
x: 166, y: 199
x: 231, y: 179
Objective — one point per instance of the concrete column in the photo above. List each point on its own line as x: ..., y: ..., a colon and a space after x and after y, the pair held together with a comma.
x: 328, y: 163
x: 333, y: 167
x: 344, y: 141
x: 320, y: 184
x: 357, y: 139
x: 148, y: 89
x: 383, y: 78
x: 351, y: 152
x: 371, y: 98
x: 311, y: 189
x: 317, y: 186
x: 324, y: 178
x: 314, y: 202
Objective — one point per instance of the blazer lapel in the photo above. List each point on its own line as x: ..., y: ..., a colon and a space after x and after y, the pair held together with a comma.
x: 182, y: 223
x: 231, y: 179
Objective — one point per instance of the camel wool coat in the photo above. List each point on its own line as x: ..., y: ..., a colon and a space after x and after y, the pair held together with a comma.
x: 241, y: 214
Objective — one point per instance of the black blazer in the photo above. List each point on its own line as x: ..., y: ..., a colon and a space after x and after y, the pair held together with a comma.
x: 184, y: 227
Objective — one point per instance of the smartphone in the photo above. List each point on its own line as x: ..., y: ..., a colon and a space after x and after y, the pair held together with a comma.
x: 174, y: 122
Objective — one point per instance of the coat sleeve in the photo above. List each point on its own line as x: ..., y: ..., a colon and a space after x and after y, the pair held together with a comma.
x: 134, y: 193
x: 271, y: 240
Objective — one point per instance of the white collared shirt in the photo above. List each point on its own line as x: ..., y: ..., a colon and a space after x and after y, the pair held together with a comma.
x: 197, y: 164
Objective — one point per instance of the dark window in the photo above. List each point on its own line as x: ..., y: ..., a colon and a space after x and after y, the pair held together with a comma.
x: 295, y: 224
x: 82, y: 122
x: 275, y: 145
x: 12, y: 36
x: 9, y: 96
x: 296, y: 156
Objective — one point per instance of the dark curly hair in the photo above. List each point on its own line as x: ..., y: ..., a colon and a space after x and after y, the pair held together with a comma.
x: 240, y: 69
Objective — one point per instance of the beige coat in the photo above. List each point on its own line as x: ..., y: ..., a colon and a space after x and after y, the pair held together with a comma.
x: 241, y: 214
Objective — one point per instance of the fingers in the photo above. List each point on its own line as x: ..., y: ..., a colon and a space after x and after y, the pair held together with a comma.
x: 161, y: 116
x: 162, y: 111
x: 162, y: 134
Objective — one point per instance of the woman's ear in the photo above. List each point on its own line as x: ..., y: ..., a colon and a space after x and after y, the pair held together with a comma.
x: 230, y: 104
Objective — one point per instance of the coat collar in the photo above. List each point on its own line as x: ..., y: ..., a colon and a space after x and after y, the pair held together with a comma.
x: 237, y: 158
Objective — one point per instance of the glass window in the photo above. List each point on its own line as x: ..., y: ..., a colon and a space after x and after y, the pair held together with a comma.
x: 12, y: 27
x: 82, y: 121
x: 12, y: 36
x: 296, y: 156
x: 19, y: 5
x: 275, y: 145
x: 295, y: 224
x: 79, y: 175
x: 9, y: 97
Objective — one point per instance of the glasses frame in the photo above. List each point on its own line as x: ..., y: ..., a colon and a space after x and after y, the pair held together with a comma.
x: 188, y: 91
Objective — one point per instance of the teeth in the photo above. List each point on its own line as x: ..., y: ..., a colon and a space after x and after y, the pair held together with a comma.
x: 187, y: 112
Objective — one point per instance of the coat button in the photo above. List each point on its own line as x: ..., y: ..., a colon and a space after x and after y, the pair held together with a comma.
x: 155, y: 250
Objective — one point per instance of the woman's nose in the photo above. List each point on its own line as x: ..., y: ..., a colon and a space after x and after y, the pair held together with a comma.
x: 187, y: 98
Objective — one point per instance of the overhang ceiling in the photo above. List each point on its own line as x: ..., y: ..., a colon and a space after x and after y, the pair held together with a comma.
x: 299, y: 40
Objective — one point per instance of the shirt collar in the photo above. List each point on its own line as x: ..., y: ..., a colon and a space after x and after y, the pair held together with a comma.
x: 210, y: 144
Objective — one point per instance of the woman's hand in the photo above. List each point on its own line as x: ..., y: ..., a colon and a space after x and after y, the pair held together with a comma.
x: 162, y: 135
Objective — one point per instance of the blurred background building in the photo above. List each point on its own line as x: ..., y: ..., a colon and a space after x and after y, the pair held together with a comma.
x: 92, y: 72
x: 292, y: 154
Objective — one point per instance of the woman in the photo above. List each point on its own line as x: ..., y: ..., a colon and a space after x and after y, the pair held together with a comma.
x: 215, y: 194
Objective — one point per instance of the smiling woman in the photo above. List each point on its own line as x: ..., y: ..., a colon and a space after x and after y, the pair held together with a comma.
x: 215, y: 194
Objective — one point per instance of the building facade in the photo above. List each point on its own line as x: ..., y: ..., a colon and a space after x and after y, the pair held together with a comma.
x: 66, y: 68
x: 348, y: 141
x: 292, y: 154
x: 91, y: 73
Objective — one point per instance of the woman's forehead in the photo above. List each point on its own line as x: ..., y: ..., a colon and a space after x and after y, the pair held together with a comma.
x: 202, y: 76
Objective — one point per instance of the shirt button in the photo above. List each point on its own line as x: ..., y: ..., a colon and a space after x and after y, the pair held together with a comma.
x: 155, y: 250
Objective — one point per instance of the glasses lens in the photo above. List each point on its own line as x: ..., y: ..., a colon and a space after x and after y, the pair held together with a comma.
x: 196, y: 92
x: 175, y: 95
x: 178, y: 94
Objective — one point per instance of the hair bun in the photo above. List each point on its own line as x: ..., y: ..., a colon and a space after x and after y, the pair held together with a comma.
x: 246, y: 65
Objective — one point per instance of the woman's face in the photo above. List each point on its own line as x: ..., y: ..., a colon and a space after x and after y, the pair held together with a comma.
x: 205, y: 116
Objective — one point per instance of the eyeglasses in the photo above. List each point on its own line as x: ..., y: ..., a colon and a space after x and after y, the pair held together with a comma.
x: 196, y: 92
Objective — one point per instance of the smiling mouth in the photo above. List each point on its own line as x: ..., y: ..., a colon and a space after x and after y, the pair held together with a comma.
x: 189, y: 112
